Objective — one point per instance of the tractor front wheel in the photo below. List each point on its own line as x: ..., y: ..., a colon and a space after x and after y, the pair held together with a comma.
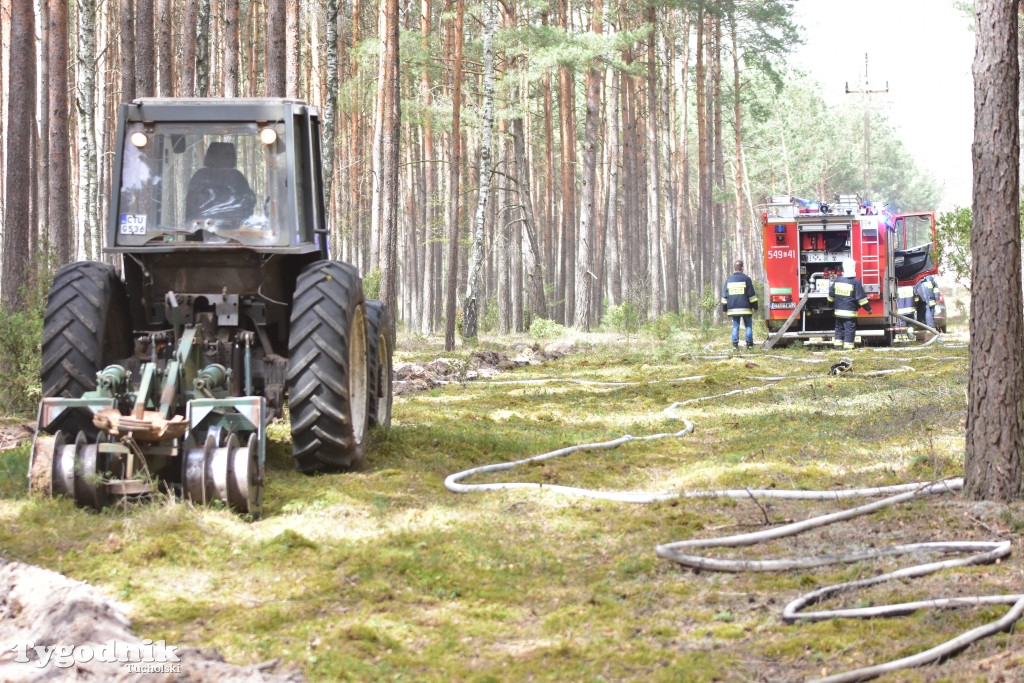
x: 328, y: 387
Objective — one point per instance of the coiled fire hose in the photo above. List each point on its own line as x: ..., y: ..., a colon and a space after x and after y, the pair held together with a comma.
x: 973, y: 553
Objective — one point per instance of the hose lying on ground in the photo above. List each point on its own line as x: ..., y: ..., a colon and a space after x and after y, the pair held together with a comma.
x: 980, y: 552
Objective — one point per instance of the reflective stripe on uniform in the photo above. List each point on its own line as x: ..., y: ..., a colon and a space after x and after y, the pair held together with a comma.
x: 843, y: 288
x: 840, y: 313
x: 740, y: 311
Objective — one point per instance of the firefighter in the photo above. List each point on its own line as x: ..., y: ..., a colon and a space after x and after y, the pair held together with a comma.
x: 906, y: 304
x: 847, y: 295
x: 739, y: 300
x: 926, y: 294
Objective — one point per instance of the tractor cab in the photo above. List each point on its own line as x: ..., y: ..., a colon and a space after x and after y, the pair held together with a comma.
x: 232, y: 172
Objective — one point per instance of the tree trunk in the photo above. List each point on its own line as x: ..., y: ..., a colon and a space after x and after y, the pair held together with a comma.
x: 535, y: 263
x: 721, y: 237
x: 61, y: 229
x: 549, y: 186
x: 85, y: 103
x: 17, y: 256
x: 203, y: 50
x: 145, y: 48
x: 377, y: 159
x: 585, y: 243
x: 190, y: 18
x: 653, y: 173
x: 738, y: 246
x: 567, y: 118
x: 230, y: 71
x: 995, y: 406
x: 331, y: 101
x: 471, y: 305
x: 430, y: 252
x: 611, y: 221
x: 293, y: 52
x: 276, y: 52
x: 452, y: 224
x: 165, y: 51
x: 126, y: 20
x: 391, y: 158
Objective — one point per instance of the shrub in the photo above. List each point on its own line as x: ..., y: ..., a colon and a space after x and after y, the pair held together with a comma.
x: 624, y: 318
x: 20, y: 338
x: 542, y: 328
x: 371, y: 284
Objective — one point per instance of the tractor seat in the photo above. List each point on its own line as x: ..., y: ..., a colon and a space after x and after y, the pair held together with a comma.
x: 218, y: 191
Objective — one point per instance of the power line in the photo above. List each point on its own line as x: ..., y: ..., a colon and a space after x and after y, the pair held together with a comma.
x: 867, y: 91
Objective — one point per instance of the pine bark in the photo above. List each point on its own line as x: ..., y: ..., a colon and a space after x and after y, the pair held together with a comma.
x: 203, y: 49
x: 431, y: 248
x: 231, y: 46
x: 535, y: 274
x: 17, y: 256
x: 190, y: 20
x: 276, y: 50
x: 293, y: 52
x: 60, y: 226
x: 995, y: 405
x: 126, y: 21
x: 452, y: 224
x: 614, y: 272
x: 391, y: 161
x: 567, y: 240
x: 145, y: 50
x: 165, y: 48
x: 585, y: 266
x: 653, y: 174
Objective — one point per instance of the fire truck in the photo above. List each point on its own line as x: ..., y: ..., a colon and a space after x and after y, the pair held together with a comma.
x: 805, y: 243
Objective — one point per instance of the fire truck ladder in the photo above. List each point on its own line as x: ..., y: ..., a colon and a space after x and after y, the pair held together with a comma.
x: 869, y: 263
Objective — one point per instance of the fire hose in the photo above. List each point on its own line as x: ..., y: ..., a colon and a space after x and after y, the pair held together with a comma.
x: 974, y: 553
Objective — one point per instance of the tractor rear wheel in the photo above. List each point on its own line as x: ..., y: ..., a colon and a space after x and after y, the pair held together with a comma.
x: 86, y: 327
x: 379, y: 355
x: 328, y: 394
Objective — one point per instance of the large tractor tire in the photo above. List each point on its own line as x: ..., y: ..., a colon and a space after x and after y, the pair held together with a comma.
x: 379, y: 354
x: 328, y: 392
x: 86, y: 327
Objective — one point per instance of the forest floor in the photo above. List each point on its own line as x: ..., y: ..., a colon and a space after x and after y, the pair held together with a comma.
x: 384, y: 574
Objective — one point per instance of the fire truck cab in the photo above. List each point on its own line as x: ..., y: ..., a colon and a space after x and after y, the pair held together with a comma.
x: 805, y: 244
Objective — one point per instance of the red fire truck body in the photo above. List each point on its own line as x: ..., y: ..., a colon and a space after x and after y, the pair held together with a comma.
x: 805, y: 244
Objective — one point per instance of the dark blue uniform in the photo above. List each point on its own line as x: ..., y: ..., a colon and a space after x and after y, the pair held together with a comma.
x: 847, y: 295
x: 739, y: 300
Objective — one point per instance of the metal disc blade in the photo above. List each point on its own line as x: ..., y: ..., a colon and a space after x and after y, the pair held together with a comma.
x: 218, y: 471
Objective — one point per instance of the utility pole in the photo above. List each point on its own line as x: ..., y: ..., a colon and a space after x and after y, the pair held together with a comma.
x: 866, y: 91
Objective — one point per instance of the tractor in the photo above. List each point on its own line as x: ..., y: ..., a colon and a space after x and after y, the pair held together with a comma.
x: 162, y: 374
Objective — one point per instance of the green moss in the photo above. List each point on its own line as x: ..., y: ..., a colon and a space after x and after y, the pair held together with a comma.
x: 384, y: 574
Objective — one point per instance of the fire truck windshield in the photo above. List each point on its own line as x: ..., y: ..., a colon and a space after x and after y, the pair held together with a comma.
x: 915, y: 231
